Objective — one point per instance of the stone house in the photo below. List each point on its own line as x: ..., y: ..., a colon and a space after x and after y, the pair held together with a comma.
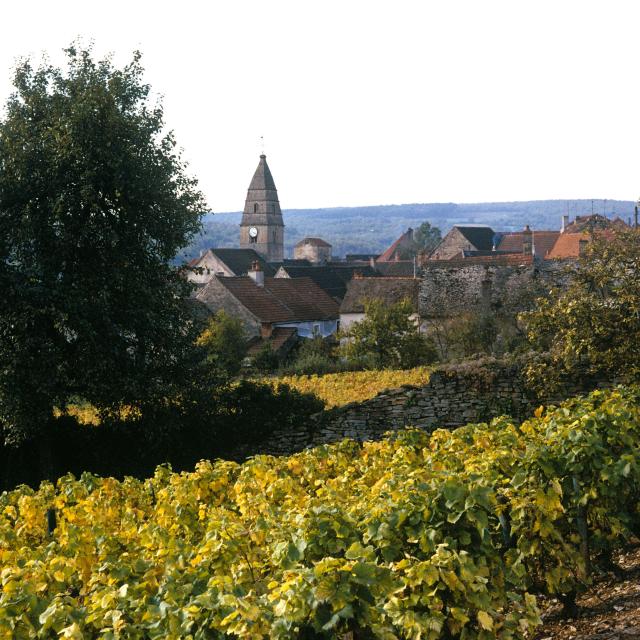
x: 265, y: 304
x: 225, y: 263
x: 481, y: 284
x: 463, y: 238
x: 315, y: 250
x: 386, y: 289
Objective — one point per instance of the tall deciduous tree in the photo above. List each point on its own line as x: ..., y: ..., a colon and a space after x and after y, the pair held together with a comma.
x: 592, y: 325
x: 95, y: 201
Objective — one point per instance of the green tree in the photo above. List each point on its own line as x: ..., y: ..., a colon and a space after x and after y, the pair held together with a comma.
x: 225, y: 343
x: 591, y: 326
x: 427, y: 237
x: 387, y: 336
x: 95, y: 202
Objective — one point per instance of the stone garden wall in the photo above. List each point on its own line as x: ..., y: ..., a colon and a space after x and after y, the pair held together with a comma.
x: 454, y: 396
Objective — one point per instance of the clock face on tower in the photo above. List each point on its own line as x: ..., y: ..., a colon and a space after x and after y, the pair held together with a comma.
x: 253, y: 232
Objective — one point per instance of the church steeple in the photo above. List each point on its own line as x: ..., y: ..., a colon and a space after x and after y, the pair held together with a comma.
x: 262, y: 228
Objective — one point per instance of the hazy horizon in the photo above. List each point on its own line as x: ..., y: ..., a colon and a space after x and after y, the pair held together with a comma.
x: 415, y: 101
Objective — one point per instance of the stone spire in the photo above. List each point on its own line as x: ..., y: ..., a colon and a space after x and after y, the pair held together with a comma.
x: 262, y: 228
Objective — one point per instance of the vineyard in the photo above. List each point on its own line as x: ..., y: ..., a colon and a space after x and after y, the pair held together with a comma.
x: 451, y: 535
x: 337, y: 389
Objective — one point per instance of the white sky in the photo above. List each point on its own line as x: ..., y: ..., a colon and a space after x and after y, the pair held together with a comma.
x: 366, y: 102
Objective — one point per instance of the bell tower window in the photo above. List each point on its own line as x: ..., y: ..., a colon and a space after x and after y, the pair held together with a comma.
x: 256, y: 207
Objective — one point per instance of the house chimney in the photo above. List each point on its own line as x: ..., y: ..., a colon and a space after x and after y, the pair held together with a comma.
x: 257, y: 274
x: 527, y: 241
x: 565, y: 223
x: 372, y: 261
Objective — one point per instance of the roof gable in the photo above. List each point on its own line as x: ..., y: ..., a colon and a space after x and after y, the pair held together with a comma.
x: 393, y: 252
x: 480, y: 236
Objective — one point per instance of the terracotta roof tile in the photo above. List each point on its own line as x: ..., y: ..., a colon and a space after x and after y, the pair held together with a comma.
x: 568, y: 246
x: 513, y: 241
x: 391, y: 253
x: 283, y: 299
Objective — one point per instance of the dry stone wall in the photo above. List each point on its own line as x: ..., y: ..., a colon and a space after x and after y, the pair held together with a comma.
x: 454, y: 396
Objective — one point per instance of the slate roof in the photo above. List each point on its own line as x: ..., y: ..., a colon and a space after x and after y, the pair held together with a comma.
x: 317, y: 242
x: 240, y: 260
x: 360, y: 257
x: 513, y: 241
x: 480, y: 236
x: 389, y: 290
x: 347, y: 271
x: 325, y: 277
x: 397, y: 268
x: 282, y: 299
x: 262, y: 178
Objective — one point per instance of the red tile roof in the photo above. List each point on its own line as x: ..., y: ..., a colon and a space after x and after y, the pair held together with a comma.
x: 283, y: 299
x: 392, y: 252
x: 513, y: 241
x: 568, y: 244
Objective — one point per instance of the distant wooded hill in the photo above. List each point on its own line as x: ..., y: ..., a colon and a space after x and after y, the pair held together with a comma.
x: 373, y: 229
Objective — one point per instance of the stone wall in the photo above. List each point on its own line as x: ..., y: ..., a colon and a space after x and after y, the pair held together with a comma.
x: 454, y: 396
x: 504, y: 284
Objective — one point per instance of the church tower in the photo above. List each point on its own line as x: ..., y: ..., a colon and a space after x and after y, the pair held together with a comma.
x: 262, y: 228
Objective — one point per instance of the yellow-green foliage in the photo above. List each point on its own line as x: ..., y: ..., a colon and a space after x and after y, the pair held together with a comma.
x: 85, y: 413
x: 416, y: 536
x: 337, y: 389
